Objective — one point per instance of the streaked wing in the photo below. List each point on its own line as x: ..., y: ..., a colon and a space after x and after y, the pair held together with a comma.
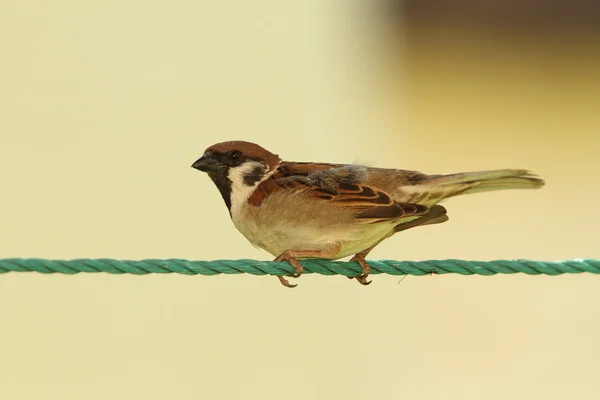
x: 339, y: 186
x: 404, y: 186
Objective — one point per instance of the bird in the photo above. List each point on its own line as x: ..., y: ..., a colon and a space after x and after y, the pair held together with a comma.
x: 299, y: 210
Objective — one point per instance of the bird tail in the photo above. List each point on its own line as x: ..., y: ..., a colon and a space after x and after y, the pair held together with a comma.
x: 484, y: 181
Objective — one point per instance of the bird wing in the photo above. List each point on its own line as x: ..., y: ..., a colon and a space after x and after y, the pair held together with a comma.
x: 404, y: 186
x: 339, y: 186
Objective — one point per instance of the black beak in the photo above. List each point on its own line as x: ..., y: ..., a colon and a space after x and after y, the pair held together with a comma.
x: 205, y: 164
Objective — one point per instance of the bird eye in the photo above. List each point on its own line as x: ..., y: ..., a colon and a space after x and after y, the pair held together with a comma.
x: 235, y: 156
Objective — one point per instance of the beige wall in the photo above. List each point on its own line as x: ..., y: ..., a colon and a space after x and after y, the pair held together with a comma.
x: 106, y: 104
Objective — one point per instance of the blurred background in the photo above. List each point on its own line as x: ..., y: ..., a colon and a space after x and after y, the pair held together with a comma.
x: 105, y: 105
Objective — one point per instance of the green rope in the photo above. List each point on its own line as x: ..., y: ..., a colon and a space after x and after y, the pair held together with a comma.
x: 323, y: 267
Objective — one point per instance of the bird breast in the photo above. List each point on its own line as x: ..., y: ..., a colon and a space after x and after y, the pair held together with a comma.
x: 294, y: 221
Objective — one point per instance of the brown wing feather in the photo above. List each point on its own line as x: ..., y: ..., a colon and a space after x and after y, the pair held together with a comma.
x: 338, y: 187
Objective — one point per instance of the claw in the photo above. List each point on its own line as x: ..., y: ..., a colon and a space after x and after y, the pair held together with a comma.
x: 362, y: 278
x: 285, y: 282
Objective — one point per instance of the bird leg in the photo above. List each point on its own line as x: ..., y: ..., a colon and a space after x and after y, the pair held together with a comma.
x: 360, y: 259
x: 291, y: 256
x: 436, y: 215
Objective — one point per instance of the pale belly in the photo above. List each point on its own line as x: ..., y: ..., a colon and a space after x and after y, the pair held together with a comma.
x: 277, y: 238
x: 291, y: 221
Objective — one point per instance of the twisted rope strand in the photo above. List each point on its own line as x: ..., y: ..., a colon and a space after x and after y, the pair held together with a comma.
x: 318, y: 266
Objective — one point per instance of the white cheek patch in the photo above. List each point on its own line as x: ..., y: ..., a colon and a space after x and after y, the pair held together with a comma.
x: 237, y: 175
x: 242, y: 187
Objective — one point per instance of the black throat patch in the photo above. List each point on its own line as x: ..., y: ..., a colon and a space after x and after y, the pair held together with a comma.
x: 219, y: 177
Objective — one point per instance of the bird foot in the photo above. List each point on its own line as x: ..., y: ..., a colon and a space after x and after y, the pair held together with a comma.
x: 362, y: 278
x: 289, y: 257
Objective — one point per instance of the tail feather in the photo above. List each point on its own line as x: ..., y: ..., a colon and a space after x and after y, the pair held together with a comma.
x: 483, y: 181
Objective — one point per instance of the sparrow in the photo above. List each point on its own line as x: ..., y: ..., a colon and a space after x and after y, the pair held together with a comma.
x: 297, y: 210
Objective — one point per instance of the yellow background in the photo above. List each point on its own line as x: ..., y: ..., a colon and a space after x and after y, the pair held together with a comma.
x: 105, y: 105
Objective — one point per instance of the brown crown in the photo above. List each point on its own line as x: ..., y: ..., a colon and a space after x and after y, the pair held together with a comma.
x: 250, y: 150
